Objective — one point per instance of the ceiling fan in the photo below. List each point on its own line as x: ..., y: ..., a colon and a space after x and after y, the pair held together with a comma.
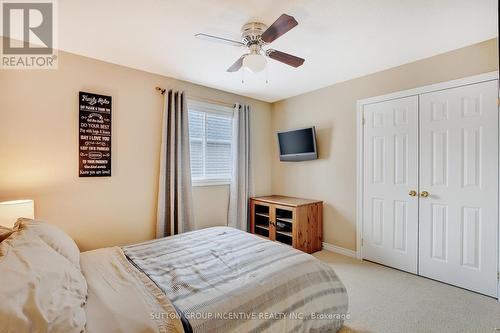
x: 255, y: 35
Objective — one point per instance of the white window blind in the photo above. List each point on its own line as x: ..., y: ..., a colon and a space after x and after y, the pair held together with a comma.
x: 210, y: 136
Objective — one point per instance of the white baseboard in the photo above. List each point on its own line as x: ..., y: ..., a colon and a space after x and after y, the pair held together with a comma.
x: 339, y: 250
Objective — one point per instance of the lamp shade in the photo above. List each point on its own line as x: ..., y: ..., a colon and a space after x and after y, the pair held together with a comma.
x: 10, y: 211
x: 254, y: 62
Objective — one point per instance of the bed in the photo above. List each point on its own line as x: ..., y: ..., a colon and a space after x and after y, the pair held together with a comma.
x: 212, y: 280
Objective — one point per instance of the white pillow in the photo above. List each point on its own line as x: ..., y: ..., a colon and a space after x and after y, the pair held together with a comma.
x: 40, y: 290
x: 5, y: 232
x: 53, y: 236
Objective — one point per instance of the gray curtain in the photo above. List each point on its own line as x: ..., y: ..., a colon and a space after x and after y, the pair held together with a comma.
x: 175, y: 203
x: 242, y: 183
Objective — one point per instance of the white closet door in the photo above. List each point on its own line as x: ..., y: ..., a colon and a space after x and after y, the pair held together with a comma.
x: 390, y: 156
x: 458, y: 221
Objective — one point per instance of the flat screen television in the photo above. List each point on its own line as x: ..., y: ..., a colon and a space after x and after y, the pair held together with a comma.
x: 298, y: 144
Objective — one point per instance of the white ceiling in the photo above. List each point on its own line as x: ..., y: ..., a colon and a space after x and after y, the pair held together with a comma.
x: 340, y: 39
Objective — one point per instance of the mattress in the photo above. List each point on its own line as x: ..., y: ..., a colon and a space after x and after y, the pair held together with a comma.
x: 225, y: 280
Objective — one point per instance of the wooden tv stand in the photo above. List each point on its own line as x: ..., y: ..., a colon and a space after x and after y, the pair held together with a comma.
x: 293, y: 221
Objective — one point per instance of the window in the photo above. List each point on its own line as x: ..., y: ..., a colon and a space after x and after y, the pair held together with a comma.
x: 210, y: 137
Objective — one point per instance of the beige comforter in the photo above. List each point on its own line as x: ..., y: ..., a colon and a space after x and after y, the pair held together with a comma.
x: 123, y: 299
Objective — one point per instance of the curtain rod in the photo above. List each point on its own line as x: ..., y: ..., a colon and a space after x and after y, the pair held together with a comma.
x: 161, y: 90
x: 201, y: 99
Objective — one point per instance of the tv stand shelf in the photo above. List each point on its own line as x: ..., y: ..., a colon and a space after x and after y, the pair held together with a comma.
x: 292, y: 221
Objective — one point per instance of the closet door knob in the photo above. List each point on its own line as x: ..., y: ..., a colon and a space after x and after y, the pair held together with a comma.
x: 412, y: 193
x: 424, y: 194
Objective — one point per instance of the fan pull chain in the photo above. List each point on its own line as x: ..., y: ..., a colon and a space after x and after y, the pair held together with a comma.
x: 267, y: 74
x: 242, y: 76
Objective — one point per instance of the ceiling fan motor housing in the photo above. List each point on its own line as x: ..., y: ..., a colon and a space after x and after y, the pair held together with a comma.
x: 251, y: 32
x: 255, y: 35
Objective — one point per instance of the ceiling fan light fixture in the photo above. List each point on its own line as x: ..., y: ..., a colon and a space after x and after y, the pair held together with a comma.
x: 254, y: 62
x: 255, y: 35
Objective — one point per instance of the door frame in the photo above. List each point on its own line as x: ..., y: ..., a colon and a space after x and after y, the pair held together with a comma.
x: 490, y: 76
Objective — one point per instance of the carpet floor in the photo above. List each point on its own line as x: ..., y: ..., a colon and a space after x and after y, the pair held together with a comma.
x: 385, y: 300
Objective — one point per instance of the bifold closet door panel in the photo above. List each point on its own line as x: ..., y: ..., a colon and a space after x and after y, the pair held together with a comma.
x: 390, y: 215
x: 458, y: 220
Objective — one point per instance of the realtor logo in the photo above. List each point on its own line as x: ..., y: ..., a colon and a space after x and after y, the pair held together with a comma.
x: 28, y: 35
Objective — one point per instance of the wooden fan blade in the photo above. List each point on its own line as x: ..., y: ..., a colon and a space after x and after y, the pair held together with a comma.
x: 285, y: 58
x: 213, y: 38
x: 237, y: 65
x: 283, y: 24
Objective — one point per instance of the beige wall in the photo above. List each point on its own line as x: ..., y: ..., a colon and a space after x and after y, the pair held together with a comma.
x: 39, y: 150
x: 332, y: 110
x: 39, y: 144
x: 206, y: 198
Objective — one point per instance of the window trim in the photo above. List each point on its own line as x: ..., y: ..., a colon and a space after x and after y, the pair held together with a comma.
x: 210, y: 182
x: 215, y: 109
x: 210, y: 108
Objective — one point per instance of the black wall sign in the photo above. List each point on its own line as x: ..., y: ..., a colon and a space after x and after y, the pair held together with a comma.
x: 94, y: 135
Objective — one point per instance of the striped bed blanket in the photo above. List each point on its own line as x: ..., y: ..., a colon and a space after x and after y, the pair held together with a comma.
x: 225, y: 280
